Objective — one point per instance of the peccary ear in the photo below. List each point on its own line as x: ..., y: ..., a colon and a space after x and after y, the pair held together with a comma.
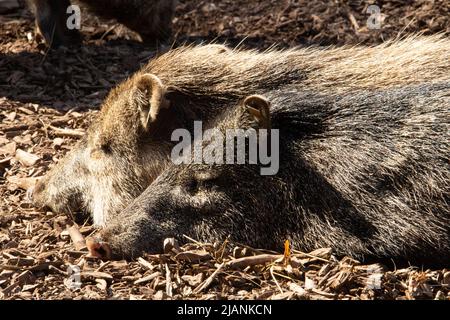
x: 258, y: 108
x: 149, y: 96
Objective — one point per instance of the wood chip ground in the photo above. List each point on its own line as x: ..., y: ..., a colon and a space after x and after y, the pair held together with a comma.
x: 48, y: 98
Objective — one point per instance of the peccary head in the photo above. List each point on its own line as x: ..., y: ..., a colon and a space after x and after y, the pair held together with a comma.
x: 122, y: 152
x: 129, y: 143
x: 206, y: 202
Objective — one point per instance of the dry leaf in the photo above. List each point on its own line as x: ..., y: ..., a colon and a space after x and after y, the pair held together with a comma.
x: 26, y: 158
x: 8, y: 149
x: 194, y: 255
x: 23, y: 183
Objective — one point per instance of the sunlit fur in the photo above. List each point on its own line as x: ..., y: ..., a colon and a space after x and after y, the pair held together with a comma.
x: 366, y: 173
x: 201, y: 81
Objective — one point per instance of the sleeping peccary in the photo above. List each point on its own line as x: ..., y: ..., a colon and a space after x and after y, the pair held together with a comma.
x: 366, y: 173
x: 152, y: 19
x: 129, y: 144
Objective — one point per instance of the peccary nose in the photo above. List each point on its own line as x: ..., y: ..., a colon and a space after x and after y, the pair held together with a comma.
x: 35, y: 190
x: 98, y: 248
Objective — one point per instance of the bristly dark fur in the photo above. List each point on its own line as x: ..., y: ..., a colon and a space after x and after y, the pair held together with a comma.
x: 366, y: 173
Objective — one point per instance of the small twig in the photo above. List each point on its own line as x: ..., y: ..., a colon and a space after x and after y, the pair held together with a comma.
x: 283, y: 276
x: 103, y: 266
x: 26, y: 111
x: 77, y: 238
x: 10, y: 267
x: 34, y: 124
x: 57, y: 270
x: 20, y: 127
x: 255, y: 250
x: 23, y: 183
x: 145, y: 264
x: 67, y: 132
x: 223, y: 247
x: 208, y: 281
x: 296, y: 252
x: 44, y: 127
x: 323, y: 293
x: 275, y: 280
x: 192, y: 240
x: 253, y: 260
x: 94, y: 274
x: 353, y: 21
x: 148, y: 278
x: 25, y: 158
x: 193, y: 255
x: 108, y: 31
x: 168, y: 282
x: 284, y: 23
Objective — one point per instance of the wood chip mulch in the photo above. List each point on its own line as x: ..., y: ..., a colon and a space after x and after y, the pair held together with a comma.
x: 47, y: 100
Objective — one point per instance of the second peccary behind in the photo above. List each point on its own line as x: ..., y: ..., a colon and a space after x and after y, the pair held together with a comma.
x: 152, y: 19
x: 365, y: 173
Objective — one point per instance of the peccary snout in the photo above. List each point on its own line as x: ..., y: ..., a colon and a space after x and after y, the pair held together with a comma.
x: 37, y: 188
x: 63, y: 191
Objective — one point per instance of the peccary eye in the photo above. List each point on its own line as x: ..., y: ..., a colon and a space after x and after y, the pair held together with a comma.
x: 203, y: 182
x: 192, y: 186
x: 106, y: 148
